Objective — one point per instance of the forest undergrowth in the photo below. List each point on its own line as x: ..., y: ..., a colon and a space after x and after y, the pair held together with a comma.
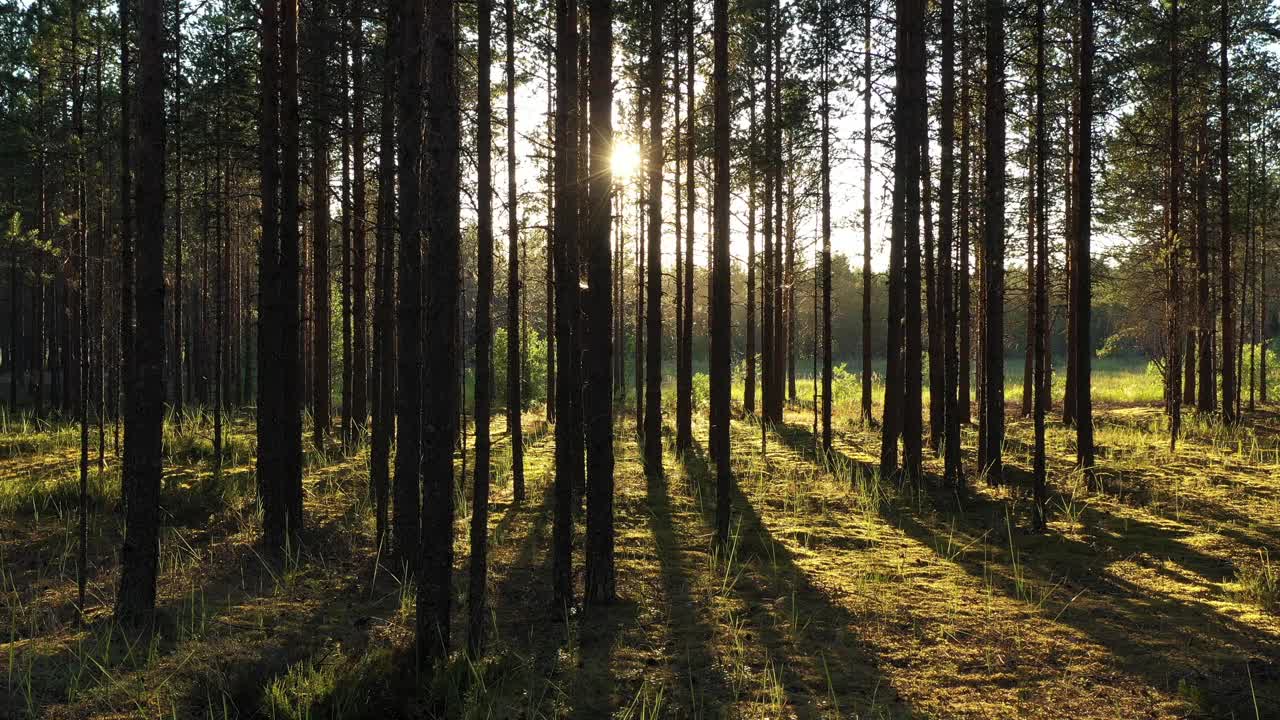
x: 840, y: 595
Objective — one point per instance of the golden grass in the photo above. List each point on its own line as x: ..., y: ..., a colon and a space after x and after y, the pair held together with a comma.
x: 841, y: 594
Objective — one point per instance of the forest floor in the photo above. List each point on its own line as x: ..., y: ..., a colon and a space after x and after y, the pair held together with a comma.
x: 842, y: 595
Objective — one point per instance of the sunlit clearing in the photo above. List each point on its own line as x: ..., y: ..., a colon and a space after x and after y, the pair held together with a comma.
x: 626, y: 159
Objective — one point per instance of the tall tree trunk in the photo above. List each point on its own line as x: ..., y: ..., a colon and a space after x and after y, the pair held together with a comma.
x: 720, y: 312
x: 81, y: 254
x: 749, y: 384
x: 359, y: 251
x: 568, y: 421
x: 347, y: 430
x: 600, y: 576
x: 271, y: 323
x: 176, y: 365
x: 1041, y: 312
x: 1083, y: 207
x: 515, y: 328
x: 993, y: 245
x: 934, y: 309
x: 824, y: 39
x: 321, y: 342
x: 441, y: 332
x: 953, y: 471
x: 964, y: 301
x: 479, y: 560
x: 780, y: 341
x: 653, y: 359
x: 866, y: 215
x: 768, y: 329
x: 550, y: 256
x: 1070, y: 223
x: 915, y: 125
x: 139, y: 557
x: 1029, y: 361
x: 1224, y: 229
x: 684, y: 383
x: 1173, y: 249
x: 384, y: 329
x: 405, y: 524
x: 895, y: 386
x: 125, y: 383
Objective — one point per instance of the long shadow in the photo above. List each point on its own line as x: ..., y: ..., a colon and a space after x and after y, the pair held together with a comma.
x: 691, y: 633
x: 1135, y: 624
x: 849, y: 679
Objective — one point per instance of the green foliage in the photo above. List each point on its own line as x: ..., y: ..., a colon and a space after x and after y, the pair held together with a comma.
x: 535, y: 387
x: 701, y: 395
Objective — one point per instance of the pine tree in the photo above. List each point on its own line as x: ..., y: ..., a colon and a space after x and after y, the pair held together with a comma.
x: 598, y: 399
x: 139, y: 557
x: 441, y: 366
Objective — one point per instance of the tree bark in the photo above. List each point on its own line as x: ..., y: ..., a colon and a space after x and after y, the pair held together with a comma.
x: 1173, y: 249
x: 993, y: 245
x: 720, y: 313
x: 568, y: 422
x: 479, y: 561
x: 515, y: 328
x: 405, y: 521
x: 653, y: 358
x: 867, y: 418
x: 1081, y: 260
x: 384, y: 329
x: 139, y: 556
x: 440, y: 366
x: 953, y: 471
x: 598, y: 400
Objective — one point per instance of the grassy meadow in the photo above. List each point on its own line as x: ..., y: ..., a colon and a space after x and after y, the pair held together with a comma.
x: 842, y: 594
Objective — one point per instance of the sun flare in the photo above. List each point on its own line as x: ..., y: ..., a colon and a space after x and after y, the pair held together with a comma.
x: 625, y: 162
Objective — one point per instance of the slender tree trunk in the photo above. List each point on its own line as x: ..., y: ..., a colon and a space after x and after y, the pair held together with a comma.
x: 1173, y: 250
x: 384, y: 328
x: 768, y: 329
x: 749, y: 383
x: 953, y: 471
x: 684, y: 382
x: 867, y: 418
x: 515, y: 328
x: 720, y: 312
x: 895, y: 387
x: 600, y: 576
x: 653, y: 360
x: 81, y: 255
x: 568, y: 424
x: 1041, y: 312
x: 176, y: 365
x: 359, y: 251
x: 993, y: 247
x: 964, y: 302
x: 479, y: 560
x: 405, y: 525
x: 321, y: 342
x: 1029, y: 361
x: 125, y: 383
x: 139, y: 557
x: 346, y: 431
x: 441, y: 332
x: 915, y: 126
x: 1224, y: 229
x: 824, y: 39
x: 1081, y: 261
x: 934, y: 309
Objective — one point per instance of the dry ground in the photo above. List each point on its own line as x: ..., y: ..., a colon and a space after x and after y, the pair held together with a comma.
x: 842, y: 594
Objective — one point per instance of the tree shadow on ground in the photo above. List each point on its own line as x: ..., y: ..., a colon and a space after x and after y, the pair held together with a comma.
x: 1175, y: 644
x: 793, y: 616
